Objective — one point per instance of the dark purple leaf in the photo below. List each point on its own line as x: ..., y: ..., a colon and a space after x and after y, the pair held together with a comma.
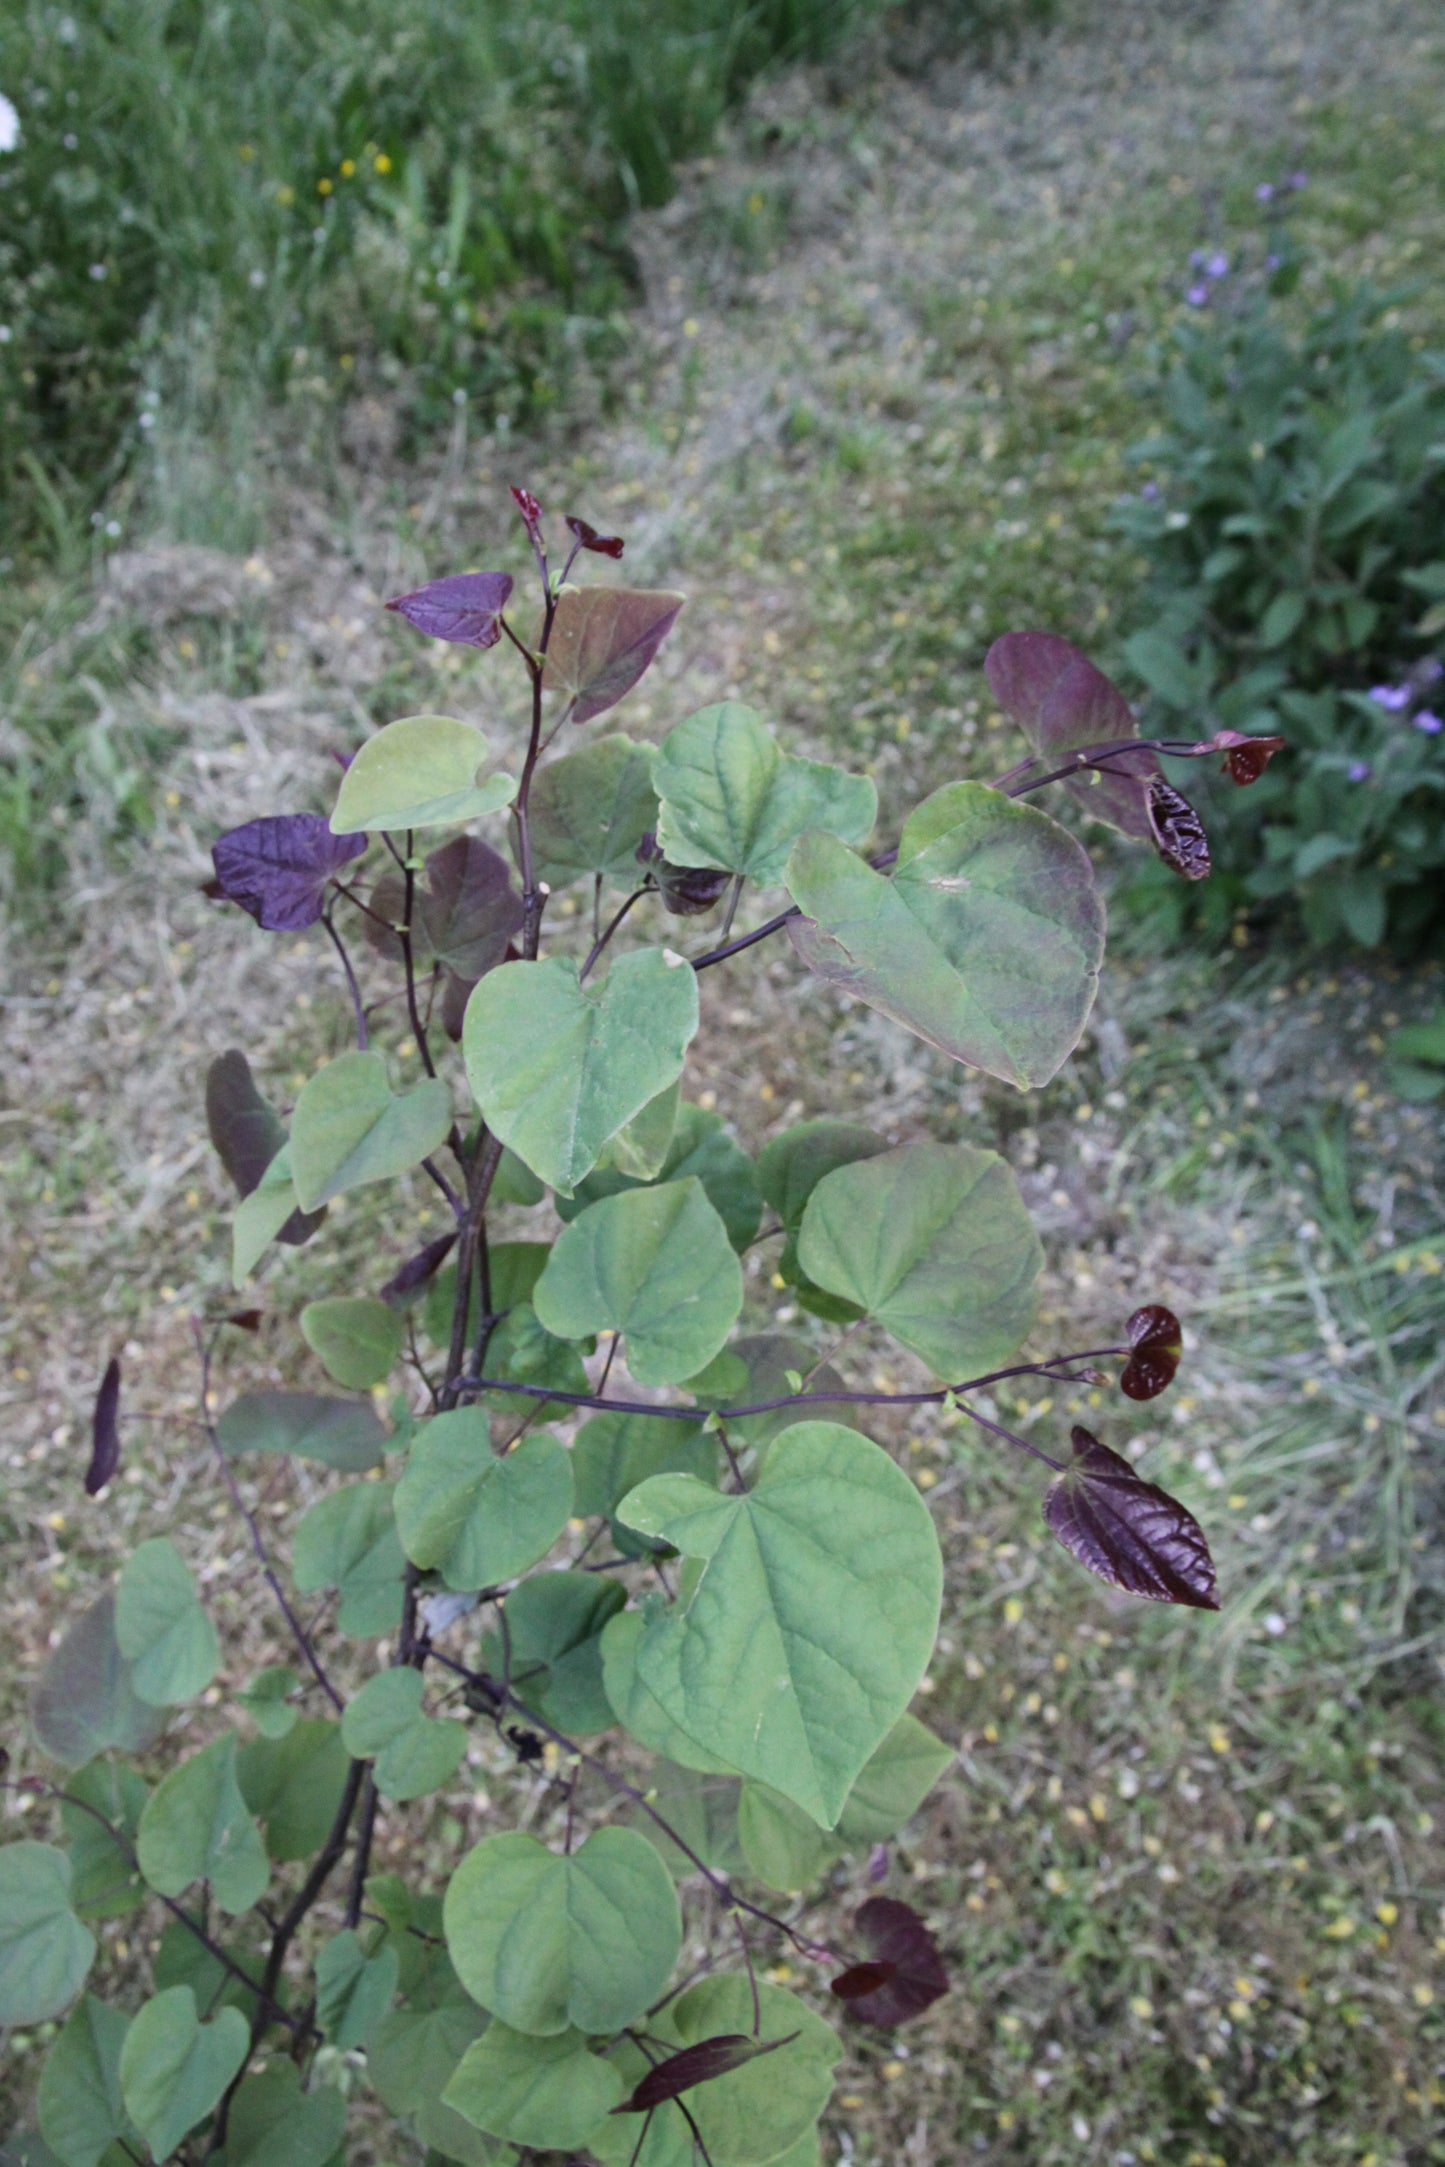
x: 531, y: 512
x: 1245, y: 758
x: 895, y: 1936
x: 104, y: 1431
x: 1179, y: 835
x: 606, y: 545
x: 247, y: 1135
x: 603, y: 638
x: 862, y: 1979
x: 245, y: 1320
x: 686, y: 890
x: 1156, y: 1343
x: 416, y: 1271
x: 278, y: 868
x: 466, y: 609
x: 1062, y: 704
x: 456, y: 992
x: 465, y: 911
x: 697, y: 2065
x: 1127, y: 1531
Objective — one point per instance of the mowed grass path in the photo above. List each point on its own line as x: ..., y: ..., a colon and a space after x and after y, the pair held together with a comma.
x: 1189, y: 1871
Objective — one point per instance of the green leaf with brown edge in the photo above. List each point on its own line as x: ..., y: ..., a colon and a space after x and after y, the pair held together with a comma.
x: 603, y: 638
x: 986, y: 942
x: 590, y: 810
x: 934, y: 1242
x: 1127, y: 1531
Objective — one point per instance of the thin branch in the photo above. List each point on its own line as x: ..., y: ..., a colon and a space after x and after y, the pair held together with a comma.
x: 356, y: 1002
x: 613, y: 923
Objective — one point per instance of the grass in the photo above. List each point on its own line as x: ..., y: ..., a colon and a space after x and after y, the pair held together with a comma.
x: 1189, y: 1872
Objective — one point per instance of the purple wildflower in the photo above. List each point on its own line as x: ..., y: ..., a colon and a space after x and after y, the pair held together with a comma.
x: 1358, y: 771
x: 1428, y: 721
x: 1218, y: 264
x: 1197, y: 296
x: 1391, y: 697
x: 1197, y: 258
x: 1265, y: 192
x: 1272, y: 263
x: 1430, y: 671
x: 1149, y: 492
x: 1300, y: 179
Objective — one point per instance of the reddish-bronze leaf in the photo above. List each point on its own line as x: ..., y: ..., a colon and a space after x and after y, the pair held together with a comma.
x: 244, y: 1320
x: 697, y: 2065
x: 1156, y: 1343
x: 531, y: 512
x: 466, y: 609
x: 104, y: 1431
x: 1128, y: 1531
x: 1064, y: 705
x: 861, y: 1979
x: 603, y: 638
x: 416, y: 1271
x: 1245, y: 758
x: 606, y: 545
x: 896, y: 1940
x: 1178, y: 831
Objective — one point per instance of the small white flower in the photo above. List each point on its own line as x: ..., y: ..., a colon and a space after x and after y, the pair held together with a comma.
x: 9, y: 124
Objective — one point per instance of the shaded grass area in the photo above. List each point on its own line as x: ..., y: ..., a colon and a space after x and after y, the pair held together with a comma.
x: 1188, y: 1873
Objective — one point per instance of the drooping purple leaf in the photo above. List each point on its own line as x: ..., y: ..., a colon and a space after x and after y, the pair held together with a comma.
x: 603, y: 638
x: 416, y: 1271
x: 465, y: 911
x: 1062, y: 703
x: 1245, y: 758
x: 686, y: 890
x: 860, y: 1980
x: 277, y: 868
x: 531, y: 512
x: 1156, y: 1343
x: 896, y: 1940
x: 465, y: 609
x: 104, y: 1431
x: 247, y: 1134
x: 1179, y: 835
x: 1128, y: 1531
x: 697, y: 2065
x: 606, y: 545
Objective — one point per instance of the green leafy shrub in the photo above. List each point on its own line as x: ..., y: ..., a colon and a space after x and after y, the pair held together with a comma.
x: 1292, y: 525
x: 429, y: 199
x: 686, y: 1584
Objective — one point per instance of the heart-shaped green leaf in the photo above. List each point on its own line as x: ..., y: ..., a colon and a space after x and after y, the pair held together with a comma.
x: 80, y: 2109
x: 546, y: 1941
x: 549, y: 2093
x: 590, y: 810
x: 934, y: 1241
x: 270, y: 1213
x: 655, y: 1265
x: 196, y: 1827
x: 356, y: 1338
x: 638, y: 1709
x: 173, y: 2068
x: 348, y: 1541
x: 273, y: 2123
x: 553, y: 1641
x: 414, y: 1752
x: 986, y: 942
x: 104, y: 1881
x: 603, y: 638
x: 807, y: 1634
x: 345, y: 1434
x: 894, y: 1784
x: 475, y: 1517
x: 163, y: 1631
x: 410, y: 2062
x: 85, y: 1701
x: 354, y: 1990
x: 45, y: 1952
x: 731, y: 798
x: 294, y: 1784
x: 558, y: 1067
x: 425, y: 771
x: 700, y: 1145
x: 349, y: 1127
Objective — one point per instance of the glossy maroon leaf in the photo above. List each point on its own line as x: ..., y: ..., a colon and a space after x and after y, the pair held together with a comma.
x: 893, y: 1934
x: 1128, y: 1531
x: 416, y: 1271
x: 104, y: 1431
x: 531, y: 512
x: 1156, y: 1343
x: 247, y: 1134
x: 606, y: 545
x: 466, y: 609
x: 603, y: 638
x: 277, y: 869
x: 1179, y: 835
x: 245, y: 1320
x: 697, y: 2065
x: 1245, y: 758
x: 1062, y: 703
x: 862, y: 1979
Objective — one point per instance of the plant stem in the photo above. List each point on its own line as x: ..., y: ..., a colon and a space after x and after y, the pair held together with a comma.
x: 613, y: 923
x: 359, y: 1011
